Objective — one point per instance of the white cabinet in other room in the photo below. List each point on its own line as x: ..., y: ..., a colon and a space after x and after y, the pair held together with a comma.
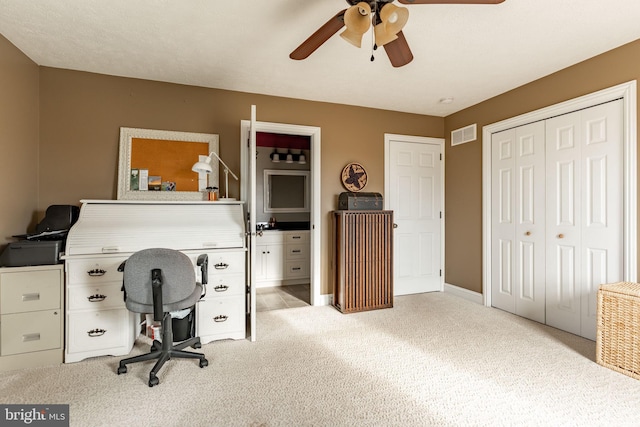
x: 269, y: 258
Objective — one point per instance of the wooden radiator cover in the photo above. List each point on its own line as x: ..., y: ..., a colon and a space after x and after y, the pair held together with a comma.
x: 363, y: 260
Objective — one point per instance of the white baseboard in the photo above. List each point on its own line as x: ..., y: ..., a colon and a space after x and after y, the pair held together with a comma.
x: 464, y: 293
x: 324, y: 299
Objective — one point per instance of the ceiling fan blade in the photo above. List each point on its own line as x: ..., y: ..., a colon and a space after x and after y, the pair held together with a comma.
x: 316, y: 39
x: 398, y: 51
x: 450, y: 1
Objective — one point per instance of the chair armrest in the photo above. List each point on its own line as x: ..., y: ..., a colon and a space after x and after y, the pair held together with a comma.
x: 156, y: 286
x: 203, y: 263
x: 121, y: 269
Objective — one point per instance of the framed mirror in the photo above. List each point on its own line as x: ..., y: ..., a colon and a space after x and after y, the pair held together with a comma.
x: 286, y: 190
x: 156, y: 165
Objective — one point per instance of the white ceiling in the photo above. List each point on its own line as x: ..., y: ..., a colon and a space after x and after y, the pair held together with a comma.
x: 467, y: 52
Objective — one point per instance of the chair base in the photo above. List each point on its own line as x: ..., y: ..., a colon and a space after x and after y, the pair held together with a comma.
x: 165, y: 350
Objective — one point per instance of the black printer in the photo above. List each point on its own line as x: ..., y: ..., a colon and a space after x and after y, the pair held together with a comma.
x: 45, y: 245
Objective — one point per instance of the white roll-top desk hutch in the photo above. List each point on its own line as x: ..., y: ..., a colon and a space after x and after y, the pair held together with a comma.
x: 108, y: 232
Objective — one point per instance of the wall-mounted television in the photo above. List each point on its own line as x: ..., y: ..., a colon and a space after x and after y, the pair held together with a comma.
x: 286, y: 190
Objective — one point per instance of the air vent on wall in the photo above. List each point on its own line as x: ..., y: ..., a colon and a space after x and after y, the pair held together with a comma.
x: 465, y: 134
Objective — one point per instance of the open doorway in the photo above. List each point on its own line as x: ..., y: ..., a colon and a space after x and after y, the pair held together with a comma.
x: 287, y: 235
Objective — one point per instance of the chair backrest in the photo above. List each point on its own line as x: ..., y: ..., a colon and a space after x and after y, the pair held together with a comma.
x: 178, y: 276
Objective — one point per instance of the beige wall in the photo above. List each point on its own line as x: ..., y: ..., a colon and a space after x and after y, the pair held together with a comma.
x: 18, y: 142
x: 463, y: 176
x: 81, y: 114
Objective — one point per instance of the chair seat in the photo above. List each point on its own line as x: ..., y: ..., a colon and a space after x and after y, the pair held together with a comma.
x: 190, y: 301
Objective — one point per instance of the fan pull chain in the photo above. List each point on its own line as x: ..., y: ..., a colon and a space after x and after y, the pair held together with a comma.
x: 374, y: 46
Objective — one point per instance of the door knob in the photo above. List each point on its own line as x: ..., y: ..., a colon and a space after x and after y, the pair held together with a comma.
x: 560, y: 236
x: 395, y: 225
x: 528, y: 233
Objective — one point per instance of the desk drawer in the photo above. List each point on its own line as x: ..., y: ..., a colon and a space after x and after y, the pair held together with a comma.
x: 220, y: 316
x: 100, y: 296
x: 28, y: 332
x: 29, y: 291
x: 96, y: 270
x: 225, y: 285
x: 97, y: 330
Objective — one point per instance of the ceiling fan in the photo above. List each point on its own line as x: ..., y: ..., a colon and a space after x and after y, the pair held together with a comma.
x: 387, y: 20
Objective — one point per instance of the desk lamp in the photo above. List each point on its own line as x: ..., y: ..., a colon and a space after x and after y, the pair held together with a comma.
x: 205, y: 167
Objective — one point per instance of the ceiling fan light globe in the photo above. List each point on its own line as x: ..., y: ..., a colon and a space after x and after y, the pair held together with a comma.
x: 383, y: 36
x: 352, y: 37
x: 394, y: 18
x: 355, y: 21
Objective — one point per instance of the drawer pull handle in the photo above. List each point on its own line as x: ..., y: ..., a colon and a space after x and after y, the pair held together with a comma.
x: 296, y: 251
x: 31, y: 337
x: 221, y: 318
x: 221, y: 288
x: 35, y: 296
x: 97, y: 298
x: 96, y: 332
x: 221, y: 266
x: 96, y: 272
x: 296, y: 237
x: 296, y: 268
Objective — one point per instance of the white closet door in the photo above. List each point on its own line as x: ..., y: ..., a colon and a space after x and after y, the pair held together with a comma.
x: 584, y: 213
x: 518, y: 223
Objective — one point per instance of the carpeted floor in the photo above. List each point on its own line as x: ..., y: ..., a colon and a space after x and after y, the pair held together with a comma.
x: 433, y: 359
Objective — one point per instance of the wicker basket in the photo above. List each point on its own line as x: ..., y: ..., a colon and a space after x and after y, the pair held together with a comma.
x: 618, y: 334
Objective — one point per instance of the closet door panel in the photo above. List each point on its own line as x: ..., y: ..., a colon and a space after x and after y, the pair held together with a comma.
x: 530, y: 224
x: 502, y: 222
x: 602, y: 233
x: 563, y: 234
x: 518, y: 178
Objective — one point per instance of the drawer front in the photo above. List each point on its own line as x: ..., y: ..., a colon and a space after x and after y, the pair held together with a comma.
x: 296, y: 237
x: 270, y: 238
x: 226, y: 263
x: 296, y: 269
x: 30, y: 291
x: 96, y: 270
x: 221, y: 263
x: 28, y: 332
x: 101, y: 296
x: 296, y: 251
x: 223, y: 285
x: 220, y: 316
x: 97, y: 330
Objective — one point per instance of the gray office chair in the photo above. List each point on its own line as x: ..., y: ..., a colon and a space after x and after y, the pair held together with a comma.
x: 160, y: 281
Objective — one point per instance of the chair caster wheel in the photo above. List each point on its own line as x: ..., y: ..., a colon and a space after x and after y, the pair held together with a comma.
x: 197, y: 345
x: 203, y: 363
x: 154, y: 348
x: 122, y: 369
x: 153, y: 381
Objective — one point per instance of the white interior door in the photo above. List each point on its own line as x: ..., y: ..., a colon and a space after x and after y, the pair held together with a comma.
x: 584, y: 215
x: 518, y: 223
x: 251, y: 232
x: 414, y: 191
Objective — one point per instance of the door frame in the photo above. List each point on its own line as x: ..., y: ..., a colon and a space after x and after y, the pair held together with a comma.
x: 313, y: 132
x: 388, y: 137
x: 626, y: 92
